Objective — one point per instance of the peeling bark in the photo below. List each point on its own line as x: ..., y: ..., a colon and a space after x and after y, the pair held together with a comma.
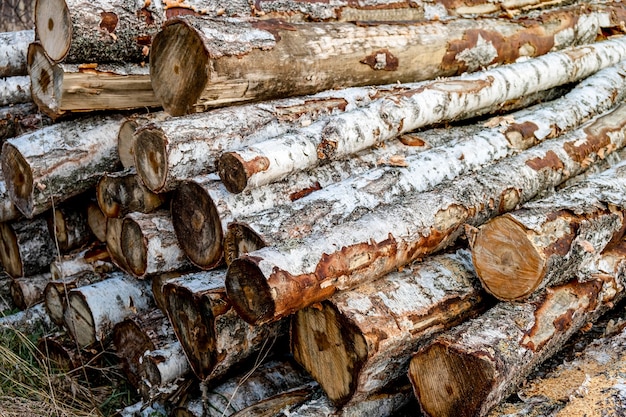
x: 26, y: 247
x: 15, y: 90
x: 436, y: 101
x: 468, y: 370
x: 13, y: 47
x: 273, y: 282
x: 58, y: 162
x: 123, y: 192
x: 28, y: 291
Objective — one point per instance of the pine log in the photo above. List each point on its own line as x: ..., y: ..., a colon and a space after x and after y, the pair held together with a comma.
x: 33, y: 320
x: 468, y: 370
x: 250, y: 64
x: 28, y: 291
x: 467, y: 148
x: 97, y: 221
x: 19, y: 119
x: 13, y: 47
x: 8, y: 210
x: 590, y: 384
x: 273, y: 282
x: 126, y: 137
x: 68, y: 225
x: 360, y: 341
x: 544, y: 242
x: 149, y: 244
x: 123, y: 192
x: 55, y: 163
x: 59, y: 89
x: 26, y: 247
x: 211, y: 333
x: 72, y: 271
x: 14, y: 90
x: 436, y: 101
x: 94, y: 310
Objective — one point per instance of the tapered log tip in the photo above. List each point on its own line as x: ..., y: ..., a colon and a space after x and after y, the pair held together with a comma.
x: 507, y: 263
x: 178, y: 67
x: 53, y: 27
x: 197, y: 225
x: 249, y: 291
x: 19, y: 179
x: 232, y: 172
x: 449, y: 383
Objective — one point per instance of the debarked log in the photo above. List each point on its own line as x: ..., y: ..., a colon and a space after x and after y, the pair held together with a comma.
x: 60, y: 161
x: 470, y: 369
x: 26, y: 247
x: 190, y: 62
x: 14, y: 90
x: 28, y: 291
x: 94, y: 310
x: 211, y: 333
x: 273, y: 282
x: 19, y: 119
x: 360, y: 341
x: 123, y: 192
x: 149, y: 245
x: 467, y: 148
x: 546, y: 240
x: 60, y: 89
x: 436, y: 101
x: 13, y: 47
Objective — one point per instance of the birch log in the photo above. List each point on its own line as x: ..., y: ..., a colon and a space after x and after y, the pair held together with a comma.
x: 114, y: 242
x: 436, y: 101
x: 468, y: 370
x: 19, y: 119
x: 29, y: 321
x: 126, y: 137
x: 97, y: 221
x: 94, y: 310
x: 15, y: 90
x: 149, y: 244
x: 60, y: 161
x: 26, y: 247
x: 123, y: 192
x: 468, y: 148
x: 28, y: 291
x: 8, y: 210
x: 211, y: 333
x: 273, y: 282
x: 68, y: 225
x: 250, y: 64
x: 13, y: 47
x: 163, y: 367
x: 546, y: 240
x: 59, y: 89
x: 360, y: 341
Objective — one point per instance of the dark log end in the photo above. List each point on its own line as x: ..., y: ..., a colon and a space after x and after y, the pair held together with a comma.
x: 134, y: 247
x: 330, y: 349
x: 97, y: 221
x: 239, y: 240
x: 114, y: 244
x: 79, y: 320
x: 53, y: 27
x: 108, y: 197
x: 17, y: 295
x: 448, y: 383
x: 233, y: 172
x: 151, y: 158
x: 249, y: 291
x: 58, y: 354
x: 178, y: 68
x: 508, y: 265
x: 54, y: 302
x: 9, y: 251
x: 19, y: 179
x: 131, y: 342
x: 197, y: 225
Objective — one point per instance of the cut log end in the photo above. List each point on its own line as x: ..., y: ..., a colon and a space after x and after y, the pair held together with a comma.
x: 233, y: 173
x: 53, y: 27
x: 79, y: 320
x: 249, y: 291
x: 97, y: 221
x: 239, y: 240
x: 178, y: 64
x: 134, y: 247
x: 126, y: 143
x: 19, y: 179
x: 508, y: 265
x: 330, y: 350
x: 45, y: 79
x: 197, y: 225
x: 10, y: 252
x: 449, y: 383
x: 54, y: 302
x: 151, y: 158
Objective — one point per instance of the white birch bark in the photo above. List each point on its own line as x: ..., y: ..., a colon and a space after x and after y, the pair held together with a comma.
x: 13, y: 47
x: 68, y: 225
x: 59, y: 161
x: 94, y: 310
x: 28, y: 291
x: 27, y: 247
x: 8, y: 211
x: 436, y: 101
x: 300, y: 272
x: 29, y: 321
x: 164, y: 365
x: 15, y: 90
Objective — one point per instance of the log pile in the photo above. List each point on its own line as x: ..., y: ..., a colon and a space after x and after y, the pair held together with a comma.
x: 342, y: 208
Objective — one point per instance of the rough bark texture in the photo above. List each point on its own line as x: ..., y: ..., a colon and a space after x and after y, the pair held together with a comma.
x: 543, y: 243
x: 8, y: 211
x: 468, y: 370
x: 434, y: 102
x: 29, y: 321
x: 211, y: 333
x: 14, y: 90
x: 68, y: 225
x: 360, y: 341
x: 19, y: 119
x: 249, y: 65
x: 126, y: 137
x: 164, y: 366
x: 28, y: 291
x: 149, y: 244
x: 13, y: 47
x: 60, y: 89
x: 60, y: 161
x: 272, y: 282
x: 94, y: 310
x: 26, y: 247
x: 123, y: 192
